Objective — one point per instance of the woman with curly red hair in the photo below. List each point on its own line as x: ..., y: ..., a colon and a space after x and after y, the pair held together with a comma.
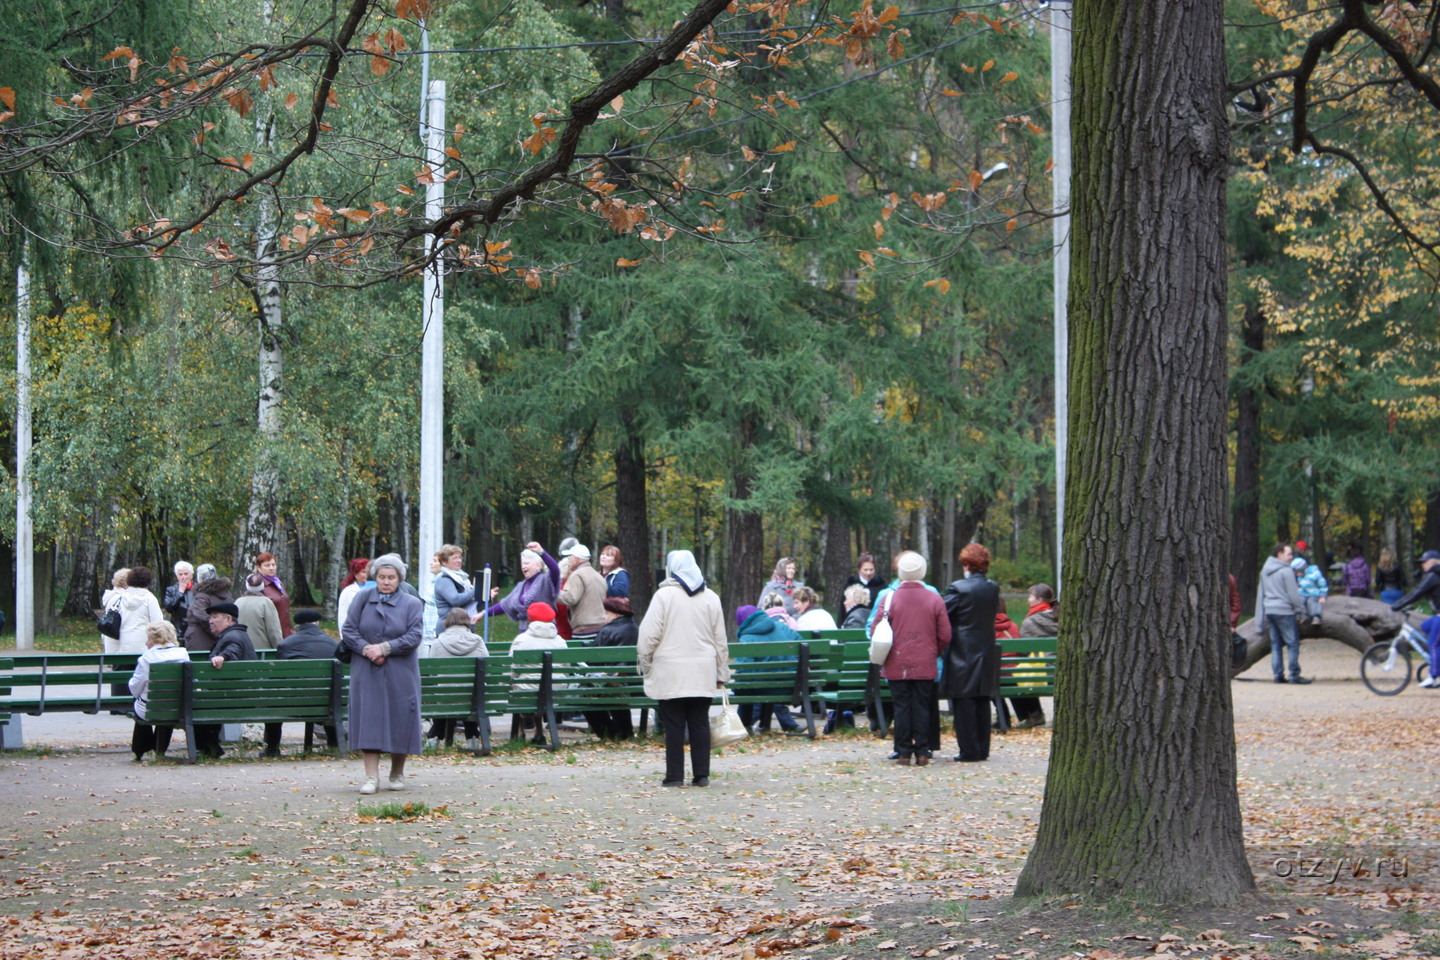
x: 972, y: 661
x: 357, y: 578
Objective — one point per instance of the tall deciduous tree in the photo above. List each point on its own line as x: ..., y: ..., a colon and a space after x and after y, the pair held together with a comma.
x: 1142, y: 771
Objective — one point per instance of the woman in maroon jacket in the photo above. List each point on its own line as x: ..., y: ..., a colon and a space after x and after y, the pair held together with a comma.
x: 921, y: 631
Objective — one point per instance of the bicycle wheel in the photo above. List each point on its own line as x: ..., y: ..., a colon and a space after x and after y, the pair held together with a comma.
x: 1385, y: 669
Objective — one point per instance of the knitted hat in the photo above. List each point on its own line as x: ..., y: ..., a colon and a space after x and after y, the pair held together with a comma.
x: 744, y: 613
x: 229, y: 608
x: 307, y: 616
x: 540, y: 611
x: 911, y: 567
x: 1298, y: 563
x: 254, y: 585
x: 1301, y: 545
x: 391, y: 560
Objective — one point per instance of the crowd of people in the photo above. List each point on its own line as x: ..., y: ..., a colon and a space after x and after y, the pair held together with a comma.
x: 942, y: 644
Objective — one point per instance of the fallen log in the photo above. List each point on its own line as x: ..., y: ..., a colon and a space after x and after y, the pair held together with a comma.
x: 1354, y: 621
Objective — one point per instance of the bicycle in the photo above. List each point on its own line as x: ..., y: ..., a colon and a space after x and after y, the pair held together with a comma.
x: 1385, y: 666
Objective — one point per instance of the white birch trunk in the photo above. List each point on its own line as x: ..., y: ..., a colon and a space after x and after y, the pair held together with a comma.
x: 260, y: 526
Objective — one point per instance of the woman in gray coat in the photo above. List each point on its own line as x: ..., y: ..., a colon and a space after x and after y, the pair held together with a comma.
x: 383, y: 631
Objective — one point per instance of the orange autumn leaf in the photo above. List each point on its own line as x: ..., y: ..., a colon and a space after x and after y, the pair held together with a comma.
x: 941, y: 283
x: 291, y: 100
x: 788, y: 145
x: 622, y: 262
x: 826, y: 200
x: 1009, y: 76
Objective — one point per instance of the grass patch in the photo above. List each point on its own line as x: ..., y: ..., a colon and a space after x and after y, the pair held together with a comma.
x: 395, y: 810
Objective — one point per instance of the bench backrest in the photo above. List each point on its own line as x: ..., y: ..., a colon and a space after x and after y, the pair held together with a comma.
x: 580, y: 678
x: 252, y: 691
x: 463, y: 687
x: 1032, y: 672
x: 6, y: 665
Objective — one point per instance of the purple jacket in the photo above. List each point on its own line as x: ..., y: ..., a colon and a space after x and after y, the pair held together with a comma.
x: 1357, y: 577
x: 921, y: 629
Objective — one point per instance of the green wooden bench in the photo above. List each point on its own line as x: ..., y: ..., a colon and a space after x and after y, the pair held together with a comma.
x: 852, y: 678
x: 466, y: 689
x: 782, y: 671
x: 578, y: 680
x: 86, y: 682
x: 255, y: 691
x: 1030, y: 675
x: 5, y: 732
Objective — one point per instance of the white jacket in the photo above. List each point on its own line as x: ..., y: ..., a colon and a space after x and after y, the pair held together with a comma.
x: 539, y: 635
x: 140, y: 680
x: 138, y: 609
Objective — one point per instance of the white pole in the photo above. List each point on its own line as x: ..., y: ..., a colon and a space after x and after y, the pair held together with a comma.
x: 1060, y: 124
x: 432, y: 390
x: 24, y: 531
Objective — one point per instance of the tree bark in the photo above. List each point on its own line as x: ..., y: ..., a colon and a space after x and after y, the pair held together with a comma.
x: 1245, y: 507
x: 82, y: 598
x: 745, y: 571
x: 1141, y: 798
x: 632, y: 514
x: 836, y: 562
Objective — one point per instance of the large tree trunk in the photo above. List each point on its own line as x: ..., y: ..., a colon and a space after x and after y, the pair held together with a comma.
x: 82, y: 598
x: 1142, y: 767
x: 1245, y: 508
x: 745, y: 570
x: 260, y: 525
x: 632, y: 514
x: 837, y: 561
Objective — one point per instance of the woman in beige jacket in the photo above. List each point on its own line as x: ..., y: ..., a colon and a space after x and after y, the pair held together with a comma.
x: 684, y: 658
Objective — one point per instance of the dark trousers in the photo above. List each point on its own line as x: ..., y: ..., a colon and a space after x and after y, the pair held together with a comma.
x: 147, y: 738
x: 272, y: 738
x: 684, y: 715
x: 972, y: 727
x: 611, y: 724
x: 914, y: 701
x: 207, y: 740
x: 1026, y: 707
x: 756, y: 716
x: 443, y: 728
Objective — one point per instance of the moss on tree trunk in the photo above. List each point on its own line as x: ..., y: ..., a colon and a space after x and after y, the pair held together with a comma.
x: 1141, y: 797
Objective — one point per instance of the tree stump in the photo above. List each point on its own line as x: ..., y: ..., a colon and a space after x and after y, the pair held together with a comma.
x: 1354, y: 621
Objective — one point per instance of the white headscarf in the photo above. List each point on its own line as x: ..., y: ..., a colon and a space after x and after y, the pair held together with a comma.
x: 681, y: 566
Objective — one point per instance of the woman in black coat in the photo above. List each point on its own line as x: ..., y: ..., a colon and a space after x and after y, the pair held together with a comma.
x: 972, y: 661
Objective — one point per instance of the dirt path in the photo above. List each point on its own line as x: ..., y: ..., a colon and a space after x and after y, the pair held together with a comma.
x: 795, y: 844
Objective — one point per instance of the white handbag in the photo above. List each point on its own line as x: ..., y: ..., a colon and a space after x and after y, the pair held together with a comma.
x: 725, y: 726
x: 882, y: 638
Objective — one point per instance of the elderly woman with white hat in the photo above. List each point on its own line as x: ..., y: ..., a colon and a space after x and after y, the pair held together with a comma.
x: 382, y: 633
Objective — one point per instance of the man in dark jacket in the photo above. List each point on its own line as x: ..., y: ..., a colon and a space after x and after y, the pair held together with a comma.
x: 231, y: 643
x: 1427, y: 589
x: 232, y: 640
x: 308, y: 642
